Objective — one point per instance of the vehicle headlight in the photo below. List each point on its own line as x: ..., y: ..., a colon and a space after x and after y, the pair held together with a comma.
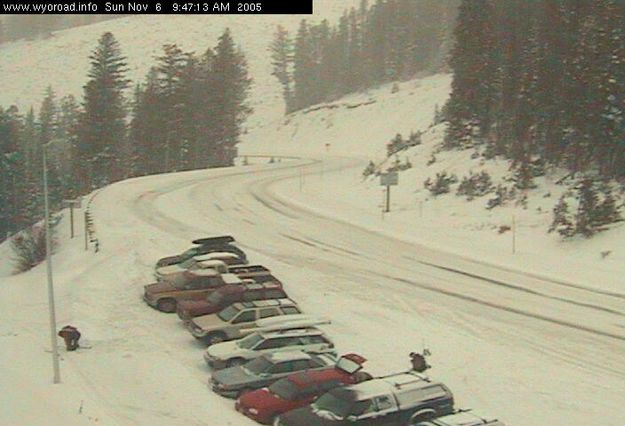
x: 253, y: 411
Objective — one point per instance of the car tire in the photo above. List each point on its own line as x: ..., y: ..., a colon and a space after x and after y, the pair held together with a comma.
x: 214, y: 338
x: 236, y: 361
x: 167, y: 305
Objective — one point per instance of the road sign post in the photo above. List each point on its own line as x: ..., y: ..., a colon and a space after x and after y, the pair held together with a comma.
x: 389, y: 179
x: 72, y: 204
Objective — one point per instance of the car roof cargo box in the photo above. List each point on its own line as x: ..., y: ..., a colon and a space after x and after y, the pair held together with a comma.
x: 224, y: 239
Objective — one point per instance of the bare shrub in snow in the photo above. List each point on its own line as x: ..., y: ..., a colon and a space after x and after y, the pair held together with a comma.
x: 29, y: 247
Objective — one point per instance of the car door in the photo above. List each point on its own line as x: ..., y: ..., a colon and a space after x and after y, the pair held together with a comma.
x: 242, y: 321
x: 380, y: 411
x: 276, y: 344
x: 280, y: 370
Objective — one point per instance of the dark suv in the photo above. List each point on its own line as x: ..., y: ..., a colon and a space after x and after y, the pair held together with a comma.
x: 228, y: 295
x: 204, y: 246
x: 398, y: 399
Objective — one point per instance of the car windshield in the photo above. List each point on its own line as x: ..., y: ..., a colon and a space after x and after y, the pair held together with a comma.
x: 228, y: 313
x: 250, y: 341
x: 187, y: 263
x: 336, y: 402
x: 284, y: 389
x: 257, y: 366
x: 193, y: 251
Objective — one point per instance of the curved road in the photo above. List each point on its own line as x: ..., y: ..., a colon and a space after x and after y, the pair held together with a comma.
x: 496, y: 319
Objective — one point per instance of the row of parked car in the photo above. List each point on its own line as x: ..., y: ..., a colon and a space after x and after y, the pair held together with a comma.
x: 275, y: 360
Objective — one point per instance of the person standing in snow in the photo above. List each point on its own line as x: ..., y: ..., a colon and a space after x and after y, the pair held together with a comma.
x: 418, y: 362
x: 70, y: 335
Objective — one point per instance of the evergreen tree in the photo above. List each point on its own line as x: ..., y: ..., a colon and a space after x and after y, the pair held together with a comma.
x: 146, y: 131
x: 232, y: 85
x: 102, y: 126
x: 281, y: 49
x: 170, y: 68
x: 303, y: 68
x: 48, y: 117
x: 11, y: 169
x: 473, y: 60
x: 66, y: 135
x: 561, y: 222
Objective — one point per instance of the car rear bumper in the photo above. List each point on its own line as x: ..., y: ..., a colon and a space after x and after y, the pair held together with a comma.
x: 228, y: 393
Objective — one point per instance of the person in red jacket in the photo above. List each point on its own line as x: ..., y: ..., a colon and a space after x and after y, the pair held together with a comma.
x: 70, y: 335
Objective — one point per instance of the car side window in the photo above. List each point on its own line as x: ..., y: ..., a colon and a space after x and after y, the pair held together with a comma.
x: 290, y: 310
x: 383, y: 403
x: 273, y: 343
x: 249, y: 296
x: 274, y: 294
x: 301, y: 364
x: 362, y: 407
x: 283, y: 367
x: 199, y: 284
x: 268, y: 312
x: 246, y: 316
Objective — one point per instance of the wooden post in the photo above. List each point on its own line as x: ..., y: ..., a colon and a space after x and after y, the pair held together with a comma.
x: 388, y: 198
x: 71, y: 220
x: 513, y: 235
x: 86, y: 232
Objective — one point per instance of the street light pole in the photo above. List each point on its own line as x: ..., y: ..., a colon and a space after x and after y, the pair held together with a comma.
x: 53, y: 341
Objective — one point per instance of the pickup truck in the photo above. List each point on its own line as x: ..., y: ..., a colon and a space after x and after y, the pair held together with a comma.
x: 397, y: 400
x: 189, y: 285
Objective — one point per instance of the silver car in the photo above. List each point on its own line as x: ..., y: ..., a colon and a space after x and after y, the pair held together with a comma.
x: 264, y: 370
x: 229, y: 354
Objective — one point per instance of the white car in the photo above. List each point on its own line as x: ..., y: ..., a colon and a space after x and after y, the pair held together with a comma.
x: 305, y: 338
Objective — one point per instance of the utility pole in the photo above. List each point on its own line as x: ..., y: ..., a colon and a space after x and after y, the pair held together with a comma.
x: 53, y: 341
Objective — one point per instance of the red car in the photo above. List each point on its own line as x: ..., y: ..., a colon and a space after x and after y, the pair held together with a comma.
x: 229, y: 294
x: 300, y: 389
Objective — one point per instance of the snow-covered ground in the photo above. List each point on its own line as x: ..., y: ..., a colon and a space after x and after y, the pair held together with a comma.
x: 535, y: 338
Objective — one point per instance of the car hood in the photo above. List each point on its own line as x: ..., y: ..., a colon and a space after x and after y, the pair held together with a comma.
x: 307, y: 416
x: 235, y: 377
x: 206, y: 322
x: 168, y: 270
x: 224, y: 350
x: 161, y: 287
x: 169, y: 260
x: 264, y: 399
